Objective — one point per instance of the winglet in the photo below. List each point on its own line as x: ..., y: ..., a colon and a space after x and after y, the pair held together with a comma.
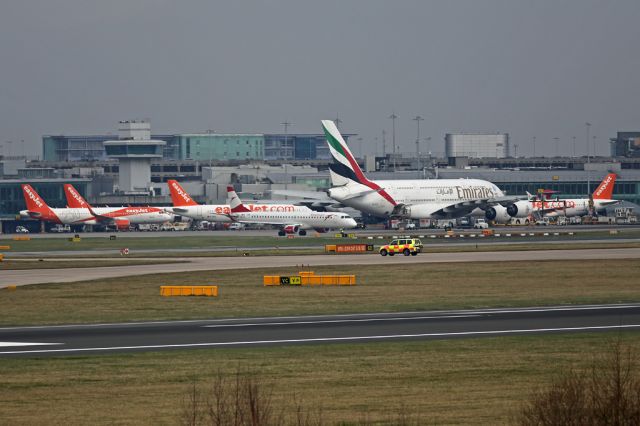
x: 605, y: 190
x: 234, y: 202
x: 179, y: 196
x: 74, y: 199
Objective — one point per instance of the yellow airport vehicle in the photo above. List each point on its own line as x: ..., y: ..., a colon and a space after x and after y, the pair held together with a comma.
x: 406, y: 246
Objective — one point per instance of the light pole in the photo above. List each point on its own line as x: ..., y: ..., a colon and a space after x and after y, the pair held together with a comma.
x: 594, y: 145
x: 588, y: 127
x: 418, y: 119
x: 286, y: 125
x: 393, y: 137
x: 557, y: 139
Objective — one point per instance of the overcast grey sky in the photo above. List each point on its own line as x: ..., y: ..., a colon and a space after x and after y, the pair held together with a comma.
x: 530, y: 68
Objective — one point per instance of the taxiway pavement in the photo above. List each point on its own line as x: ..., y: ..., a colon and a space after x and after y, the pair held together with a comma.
x: 38, y: 276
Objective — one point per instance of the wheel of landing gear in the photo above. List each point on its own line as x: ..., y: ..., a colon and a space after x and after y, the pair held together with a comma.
x: 302, y: 232
x: 281, y: 233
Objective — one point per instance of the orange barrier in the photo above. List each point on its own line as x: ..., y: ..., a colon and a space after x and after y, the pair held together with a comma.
x: 1, y: 257
x: 308, y: 278
x: 21, y: 238
x: 189, y: 290
x: 5, y: 247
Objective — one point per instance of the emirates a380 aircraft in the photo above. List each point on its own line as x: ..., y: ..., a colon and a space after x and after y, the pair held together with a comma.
x: 411, y: 199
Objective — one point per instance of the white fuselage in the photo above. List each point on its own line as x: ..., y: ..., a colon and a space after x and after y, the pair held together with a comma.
x: 303, y: 217
x: 78, y: 216
x: 570, y: 207
x: 424, y: 196
x: 221, y: 212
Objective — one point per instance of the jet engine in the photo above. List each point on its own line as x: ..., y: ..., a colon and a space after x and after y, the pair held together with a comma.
x: 497, y: 214
x: 519, y: 209
x: 291, y: 229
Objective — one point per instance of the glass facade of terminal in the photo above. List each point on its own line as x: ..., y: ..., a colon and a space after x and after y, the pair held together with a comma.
x: 297, y: 146
x: 91, y: 148
x: 12, y: 199
x: 211, y: 146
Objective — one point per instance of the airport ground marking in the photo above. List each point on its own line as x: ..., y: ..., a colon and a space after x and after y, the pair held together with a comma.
x: 339, y: 321
x: 14, y: 344
x: 435, y: 314
x: 326, y: 339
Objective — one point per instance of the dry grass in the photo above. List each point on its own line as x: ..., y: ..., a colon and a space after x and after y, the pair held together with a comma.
x: 383, y: 288
x: 464, y: 381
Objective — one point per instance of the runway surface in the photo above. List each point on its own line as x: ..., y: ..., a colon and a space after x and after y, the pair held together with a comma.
x: 36, y: 276
x: 256, y: 332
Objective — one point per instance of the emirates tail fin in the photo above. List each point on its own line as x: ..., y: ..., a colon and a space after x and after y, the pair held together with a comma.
x: 74, y: 199
x: 604, y: 191
x: 179, y: 196
x: 234, y: 201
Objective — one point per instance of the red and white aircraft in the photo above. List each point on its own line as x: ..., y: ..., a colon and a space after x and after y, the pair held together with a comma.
x: 299, y: 220
x: 545, y: 206
x: 184, y: 205
x: 121, y: 217
x: 81, y: 213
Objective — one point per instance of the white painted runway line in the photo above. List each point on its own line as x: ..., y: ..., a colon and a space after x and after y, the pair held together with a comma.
x: 18, y: 344
x: 328, y: 339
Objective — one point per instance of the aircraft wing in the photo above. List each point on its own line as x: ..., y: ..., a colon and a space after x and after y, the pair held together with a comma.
x: 101, y: 217
x: 312, y: 199
x: 465, y: 207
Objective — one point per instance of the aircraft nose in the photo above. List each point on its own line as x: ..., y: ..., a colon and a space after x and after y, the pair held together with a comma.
x: 352, y: 222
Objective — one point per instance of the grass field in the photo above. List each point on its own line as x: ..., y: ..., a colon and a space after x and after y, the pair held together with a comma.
x: 233, y: 241
x: 381, y: 288
x: 462, y: 381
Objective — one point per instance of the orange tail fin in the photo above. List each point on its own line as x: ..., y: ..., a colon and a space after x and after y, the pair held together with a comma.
x: 74, y: 199
x: 179, y: 196
x: 605, y: 190
x: 33, y: 200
